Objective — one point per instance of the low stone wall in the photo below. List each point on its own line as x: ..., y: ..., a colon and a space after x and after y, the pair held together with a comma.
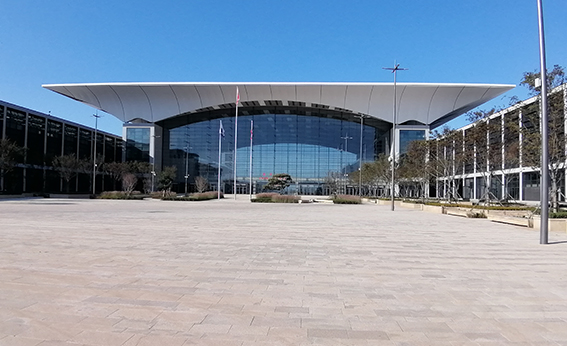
x: 510, y: 217
x: 553, y: 225
x: 387, y: 202
x: 510, y: 220
x: 417, y: 206
x: 457, y: 212
x: 433, y: 209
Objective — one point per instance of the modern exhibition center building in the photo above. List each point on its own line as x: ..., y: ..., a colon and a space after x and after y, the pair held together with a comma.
x: 308, y: 130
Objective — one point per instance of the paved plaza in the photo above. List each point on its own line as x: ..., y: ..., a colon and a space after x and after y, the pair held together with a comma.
x: 96, y: 272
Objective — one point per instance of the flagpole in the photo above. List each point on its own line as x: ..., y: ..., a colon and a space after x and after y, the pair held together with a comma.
x: 219, y: 172
x: 251, y: 136
x: 235, y: 141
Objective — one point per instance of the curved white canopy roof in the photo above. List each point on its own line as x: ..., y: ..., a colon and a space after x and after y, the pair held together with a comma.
x: 431, y: 104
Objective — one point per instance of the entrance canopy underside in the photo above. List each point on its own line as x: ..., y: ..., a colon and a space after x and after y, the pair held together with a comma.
x: 429, y: 104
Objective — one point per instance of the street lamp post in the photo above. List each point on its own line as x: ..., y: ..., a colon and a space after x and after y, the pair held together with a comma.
x: 96, y: 116
x: 346, y: 138
x: 186, y: 168
x: 235, y: 140
x: 153, y: 157
x: 544, y: 174
x: 394, y: 70
x: 360, y: 157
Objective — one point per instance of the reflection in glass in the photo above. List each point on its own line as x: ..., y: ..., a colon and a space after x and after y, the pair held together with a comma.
x: 306, y: 147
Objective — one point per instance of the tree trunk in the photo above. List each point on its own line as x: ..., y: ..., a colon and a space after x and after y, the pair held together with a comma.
x: 554, y: 202
x: 487, y: 196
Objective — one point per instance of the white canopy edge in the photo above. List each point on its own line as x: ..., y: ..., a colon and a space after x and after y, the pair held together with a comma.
x: 428, y: 103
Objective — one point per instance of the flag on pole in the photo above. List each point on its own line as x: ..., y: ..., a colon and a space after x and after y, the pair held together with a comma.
x: 221, y: 129
x: 251, y: 129
x: 237, y: 96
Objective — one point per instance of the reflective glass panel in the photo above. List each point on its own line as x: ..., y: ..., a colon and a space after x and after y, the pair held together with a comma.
x: 308, y: 148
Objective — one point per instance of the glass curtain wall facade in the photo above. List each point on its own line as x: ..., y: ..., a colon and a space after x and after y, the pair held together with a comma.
x: 307, y: 147
x: 46, y: 137
x: 138, y: 144
x: 408, y: 136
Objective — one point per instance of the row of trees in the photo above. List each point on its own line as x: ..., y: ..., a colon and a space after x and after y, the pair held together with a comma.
x: 128, y: 174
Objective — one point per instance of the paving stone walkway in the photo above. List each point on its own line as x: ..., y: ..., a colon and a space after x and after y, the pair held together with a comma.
x: 94, y: 272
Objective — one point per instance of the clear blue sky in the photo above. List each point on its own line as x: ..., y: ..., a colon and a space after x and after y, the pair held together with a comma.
x: 446, y: 41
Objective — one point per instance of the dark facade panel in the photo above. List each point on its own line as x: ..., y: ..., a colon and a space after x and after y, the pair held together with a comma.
x: 46, y: 137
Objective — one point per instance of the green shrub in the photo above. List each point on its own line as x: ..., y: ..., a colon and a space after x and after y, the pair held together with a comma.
x: 204, y: 196
x: 272, y: 197
x: 175, y: 198
x: 347, y: 199
x: 160, y: 195
x: 264, y: 197
x: 476, y: 215
x: 558, y: 215
x: 136, y: 195
x: 500, y: 207
x: 285, y: 199
x: 440, y: 204
x: 481, y: 207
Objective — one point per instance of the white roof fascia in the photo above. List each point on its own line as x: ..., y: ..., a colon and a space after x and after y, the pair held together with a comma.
x: 427, y: 103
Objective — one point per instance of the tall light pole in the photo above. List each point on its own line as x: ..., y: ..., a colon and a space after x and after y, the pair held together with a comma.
x: 96, y: 116
x: 394, y: 70
x: 251, y: 143
x: 360, y: 157
x: 221, y: 134
x: 346, y: 138
x: 235, y: 138
x: 544, y: 174
x: 186, y: 167
x: 153, y: 157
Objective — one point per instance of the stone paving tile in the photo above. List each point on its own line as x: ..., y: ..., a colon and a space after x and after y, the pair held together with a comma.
x: 81, y: 272
x: 177, y: 321
x: 328, y: 333
x: 14, y: 340
x: 102, y: 338
x: 248, y: 330
x: 211, y: 328
x: 153, y: 340
x: 135, y: 313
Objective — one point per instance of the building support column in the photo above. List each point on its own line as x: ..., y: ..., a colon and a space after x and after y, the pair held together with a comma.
x: 24, y: 173
x: 2, y: 136
x: 565, y: 134
x: 520, y: 158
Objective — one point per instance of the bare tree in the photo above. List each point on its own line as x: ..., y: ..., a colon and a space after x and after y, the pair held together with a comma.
x: 201, y: 183
x: 129, y: 182
x: 143, y: 171
x: 116, y: 170
x: 531, y: 135
x: 375, y: 174
x: 68, y: 166
x: 166, y: 178
x: 415, y: 166
x: 333, y: 182
x: 447, y: 158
